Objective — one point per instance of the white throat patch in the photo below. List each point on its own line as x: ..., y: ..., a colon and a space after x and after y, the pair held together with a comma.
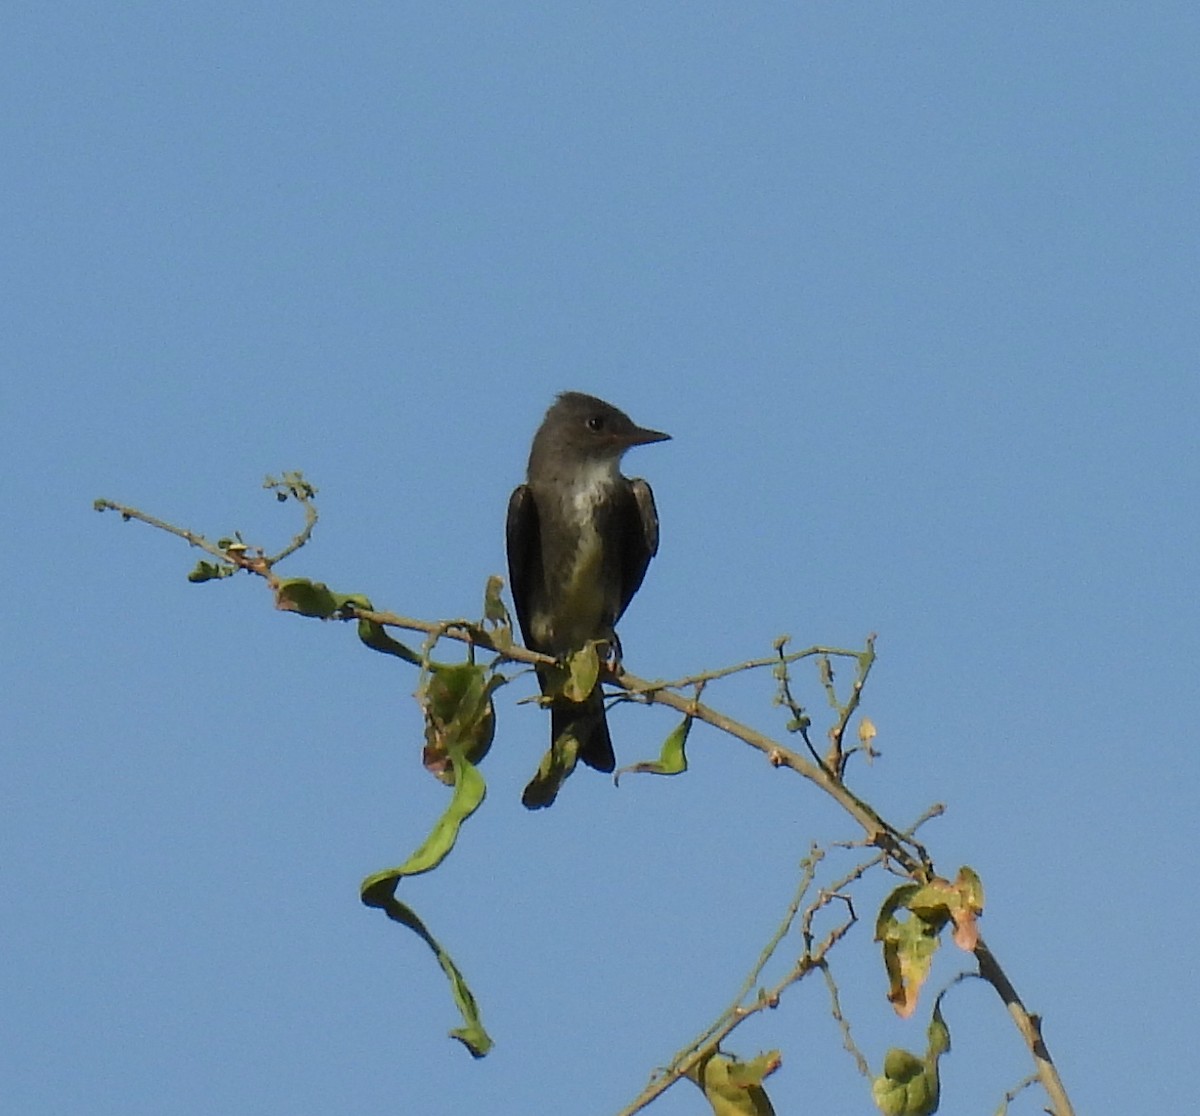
x: 592, y: 483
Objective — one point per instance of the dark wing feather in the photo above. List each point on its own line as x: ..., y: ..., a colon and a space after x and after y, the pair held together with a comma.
x: 523, y: 536
x: 639, y: 539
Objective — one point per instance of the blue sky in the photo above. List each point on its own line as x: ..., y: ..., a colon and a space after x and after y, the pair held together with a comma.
x: 914, y: 287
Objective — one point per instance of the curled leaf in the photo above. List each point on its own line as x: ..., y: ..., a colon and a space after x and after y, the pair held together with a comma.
x: 910, y: 1086
x: 316, y: 599
x: 583, y: 671
x: 459, y: 714
x: 905, y: 1087
x: 469, y: 792
x: 735, y: 1088
x: 292, y: 484
x: 672, y: 760
x: 494, y: 609
x: 496, y: 619
x: 938, y: 1034
x: 909, y: 944
x: 379, y: 890
x: 558, y: 762
x: 210, y: 571
x: 376, y: 638
x: 961, y: 902
x: 910, y: 922
x: 309, y: 598
x: 965, y: 912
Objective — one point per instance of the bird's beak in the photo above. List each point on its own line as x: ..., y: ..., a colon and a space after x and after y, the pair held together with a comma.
x: 640, y: 436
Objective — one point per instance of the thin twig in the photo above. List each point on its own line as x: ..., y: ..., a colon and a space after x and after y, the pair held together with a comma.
x: 768, y: 998
x: 878, y: 832
x: 1015, y: 1092
x: 193, y: 539
x: 813, y: 957
x: 293, y: 485
x: 808, y: 871
x: 750, y: 664
x: 835, y: 1009
x: 836, y: 759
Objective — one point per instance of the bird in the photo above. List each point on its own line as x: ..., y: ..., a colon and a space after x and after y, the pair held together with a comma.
x: 580, y: 537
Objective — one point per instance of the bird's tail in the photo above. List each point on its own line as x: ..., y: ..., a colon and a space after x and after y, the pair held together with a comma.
x: 589, y: 724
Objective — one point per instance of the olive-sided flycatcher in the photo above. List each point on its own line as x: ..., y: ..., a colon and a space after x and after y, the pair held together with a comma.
x: 580, y: 536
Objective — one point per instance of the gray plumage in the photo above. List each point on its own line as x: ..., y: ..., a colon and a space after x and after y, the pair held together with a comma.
x: 580, y: 536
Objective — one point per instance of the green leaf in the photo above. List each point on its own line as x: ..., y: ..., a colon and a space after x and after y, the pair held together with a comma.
x: 459, y: 720
x: 379, y: 890
x: 905, y: 1087
x: 938, y: 1034
x: 210, y: 571
x: 469, y: 792
x: 376, y: 638
x: 672, y: 761
x: 316, y: 599
x: 472, y: 1035
x: 459, y: 713
x: 583, y: 671
x: 552, y: 772
x: 735, y: 1088
x: 910, y: 1086
x: 309, y: 598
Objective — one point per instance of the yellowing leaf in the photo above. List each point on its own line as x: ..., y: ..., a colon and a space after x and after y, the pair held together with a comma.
x: 494, y: 609
x: 910, y: 943
x: 495, y: 614
x: 960, y: 902
x: 908, y: 948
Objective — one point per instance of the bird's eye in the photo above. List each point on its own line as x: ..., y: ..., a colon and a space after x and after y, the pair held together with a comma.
x: 596, y: 423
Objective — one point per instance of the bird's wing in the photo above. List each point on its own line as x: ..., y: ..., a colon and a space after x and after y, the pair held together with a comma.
x: 523, y: 536
x: 639, y: 539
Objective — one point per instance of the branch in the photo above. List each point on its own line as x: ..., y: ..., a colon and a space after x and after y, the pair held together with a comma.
x: 893, y: 844
x: 878, y: 832
x: 128, y: 513
x: 836, y: 759
x: 295, y: 486
x: 1030, y: 1028
x: 835, y: 1009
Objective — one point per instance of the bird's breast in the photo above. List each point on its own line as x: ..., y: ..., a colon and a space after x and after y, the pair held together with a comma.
x: 578, y: 581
